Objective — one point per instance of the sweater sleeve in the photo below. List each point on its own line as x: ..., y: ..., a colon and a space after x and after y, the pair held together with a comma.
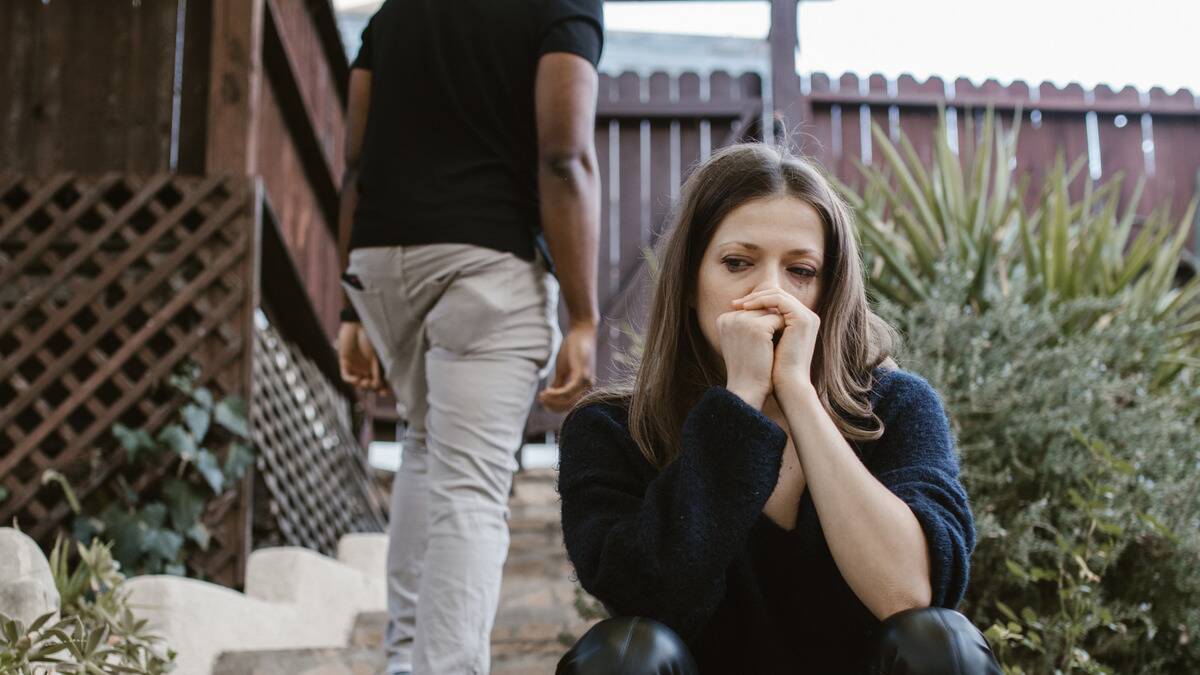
x: 661, y: 550
x: 920, y: 466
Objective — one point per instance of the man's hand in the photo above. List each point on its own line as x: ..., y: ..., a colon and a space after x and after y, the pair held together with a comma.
x: 574, y: 370
x: 356, y: 357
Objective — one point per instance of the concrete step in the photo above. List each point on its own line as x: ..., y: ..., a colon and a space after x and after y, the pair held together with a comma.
x: 535, y: 623
x: 329, y: 661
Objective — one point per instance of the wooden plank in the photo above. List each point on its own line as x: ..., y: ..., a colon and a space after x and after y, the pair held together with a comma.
x: 71, y: 68
x: 689, y: 129
x: 303, y: 215
x: 295, y: 317
x: 694, y: 108
x: 195, y: 88
x: 609, y: 206
x: 748, y: 90
x: 1171, y: 106
x: 1056, y: 132
x: 1176, y: 146
x: 1121, y: 145
x: 850, y: 138
x: 633, y: 224
x: 316, y: 91
x: 919, y: 124
x: 876, y: 115
x: 794, y: 110
x: 236, y: 58
x: 815, y: 138
x: 663, y: 185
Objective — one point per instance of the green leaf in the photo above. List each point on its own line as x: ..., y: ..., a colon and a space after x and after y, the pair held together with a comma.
x: 197, y: 420
x: 1158, y: 526
x: 124, y: 531
x: 199, y: 534
x: 206, y: 464
x: 154, y: 514
x: 231, y: 414
x: 239, y: 458
x: 163, y: 543
x: 1016, y: 569
x: 179, y: 441
x: 50, y: 475
x: 183, y: 504
x: 135, y: 441
x: 204, y: 397
x: 39, y: 622
x: 1006, y: 611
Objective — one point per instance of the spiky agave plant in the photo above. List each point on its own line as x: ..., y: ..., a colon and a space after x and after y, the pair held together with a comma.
x: 972, y: 215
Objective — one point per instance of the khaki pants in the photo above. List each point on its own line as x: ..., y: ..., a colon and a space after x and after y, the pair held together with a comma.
x: 464, y: 334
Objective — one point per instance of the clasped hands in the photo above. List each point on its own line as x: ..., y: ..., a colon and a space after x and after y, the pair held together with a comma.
x: 758, y: 365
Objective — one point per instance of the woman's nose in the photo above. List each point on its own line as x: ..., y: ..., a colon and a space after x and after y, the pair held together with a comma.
x: 768, y: 279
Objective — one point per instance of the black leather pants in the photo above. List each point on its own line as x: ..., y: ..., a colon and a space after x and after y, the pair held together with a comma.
x: 926, y: 641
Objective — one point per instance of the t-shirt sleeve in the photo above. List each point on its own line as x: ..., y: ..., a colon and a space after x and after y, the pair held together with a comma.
x: 573, y: 26
x: 366, y: 57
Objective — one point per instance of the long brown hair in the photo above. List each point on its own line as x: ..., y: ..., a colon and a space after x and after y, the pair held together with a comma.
x: 677, y: 365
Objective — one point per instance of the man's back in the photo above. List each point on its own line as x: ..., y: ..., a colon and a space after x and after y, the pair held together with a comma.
x: 450, y: 149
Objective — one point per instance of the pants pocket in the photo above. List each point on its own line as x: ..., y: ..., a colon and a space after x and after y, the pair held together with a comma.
x: 372, y: 313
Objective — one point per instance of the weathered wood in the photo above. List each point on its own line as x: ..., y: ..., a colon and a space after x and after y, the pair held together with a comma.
x: 233, y: 100
x: 785, y: 85
x: 71, y: 68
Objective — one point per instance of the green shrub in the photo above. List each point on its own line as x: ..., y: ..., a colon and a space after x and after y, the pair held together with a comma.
x: 153, y: 530
x: 975, y: 210
x: 96, y: 632
x: 1081, y: 474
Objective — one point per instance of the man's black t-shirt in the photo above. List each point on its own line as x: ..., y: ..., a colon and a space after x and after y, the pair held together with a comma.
x: 450, y: 147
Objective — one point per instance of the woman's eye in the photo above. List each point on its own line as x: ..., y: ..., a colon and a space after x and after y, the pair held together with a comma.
x: 733, y: 263
x: 803, y: 271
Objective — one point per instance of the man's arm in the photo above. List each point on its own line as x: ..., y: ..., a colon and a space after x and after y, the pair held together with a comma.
x: 356, y: 356
x: 356, y: 123
x: 569, y: 187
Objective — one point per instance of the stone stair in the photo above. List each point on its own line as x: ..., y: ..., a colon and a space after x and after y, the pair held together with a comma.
x: 535, y: 624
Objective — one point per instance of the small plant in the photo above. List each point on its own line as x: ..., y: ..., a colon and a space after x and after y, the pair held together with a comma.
x: 97, y: 632
x: 1081, y: 474
x: 151, y: 532
x: 977, y: 212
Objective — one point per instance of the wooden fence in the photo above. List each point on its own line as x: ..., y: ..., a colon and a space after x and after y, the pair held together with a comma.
x: 650, y: 132
x: 109, y: 283
x: 1149, y: 135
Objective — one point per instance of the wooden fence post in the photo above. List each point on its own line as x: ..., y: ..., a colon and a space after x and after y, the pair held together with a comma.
x: 235, y: 85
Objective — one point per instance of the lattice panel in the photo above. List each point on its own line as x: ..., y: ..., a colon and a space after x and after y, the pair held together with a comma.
x: 315, y: 471
x: 107, y: 284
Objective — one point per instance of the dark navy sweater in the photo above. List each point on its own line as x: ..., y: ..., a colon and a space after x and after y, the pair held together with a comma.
x: 691, y: 547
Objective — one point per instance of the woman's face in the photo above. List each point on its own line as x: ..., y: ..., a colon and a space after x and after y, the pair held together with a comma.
x: 776, y: 241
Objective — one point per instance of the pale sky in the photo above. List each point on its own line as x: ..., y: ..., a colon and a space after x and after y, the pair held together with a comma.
x: 1115, y: 42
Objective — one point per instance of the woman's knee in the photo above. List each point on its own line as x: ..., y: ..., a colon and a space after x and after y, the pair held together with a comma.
x: 932, y: 641
x: 628, y: 645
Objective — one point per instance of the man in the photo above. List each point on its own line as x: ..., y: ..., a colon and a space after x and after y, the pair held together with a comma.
x: 469, y: 134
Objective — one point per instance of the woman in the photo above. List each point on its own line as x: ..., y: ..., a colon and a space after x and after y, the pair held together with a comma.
x: 769, y: 494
